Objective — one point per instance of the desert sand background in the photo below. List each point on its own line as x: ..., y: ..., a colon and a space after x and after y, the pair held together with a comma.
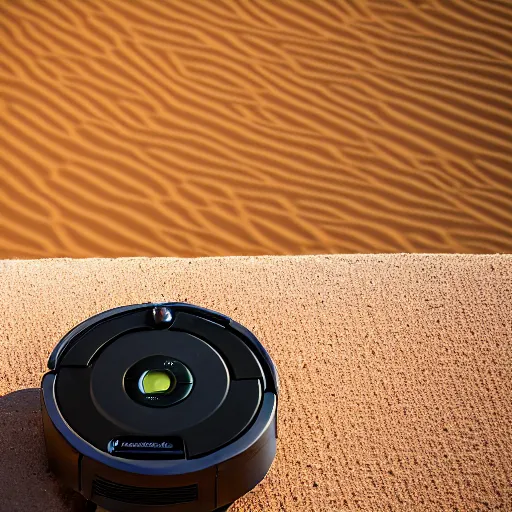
x: 233, y: 127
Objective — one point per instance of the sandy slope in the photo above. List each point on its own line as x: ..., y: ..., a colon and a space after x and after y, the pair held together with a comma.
x: 211, y: 128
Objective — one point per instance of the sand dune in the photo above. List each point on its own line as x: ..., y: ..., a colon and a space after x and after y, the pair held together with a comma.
x: 211, y: 128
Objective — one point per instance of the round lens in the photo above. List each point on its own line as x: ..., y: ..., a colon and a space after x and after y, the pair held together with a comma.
x: 156, y: 381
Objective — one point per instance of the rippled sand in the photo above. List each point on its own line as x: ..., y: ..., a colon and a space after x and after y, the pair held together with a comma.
x: 214, y: 128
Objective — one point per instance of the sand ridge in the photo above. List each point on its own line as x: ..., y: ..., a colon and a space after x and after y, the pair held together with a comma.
x: 198, y: 128
x: 395, y: 371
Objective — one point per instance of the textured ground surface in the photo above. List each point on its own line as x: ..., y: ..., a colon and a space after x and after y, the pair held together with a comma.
x: 395, y: 371
x: 192, y: 128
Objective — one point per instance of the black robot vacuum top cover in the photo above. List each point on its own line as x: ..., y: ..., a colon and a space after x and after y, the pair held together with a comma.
x: 160, y: 407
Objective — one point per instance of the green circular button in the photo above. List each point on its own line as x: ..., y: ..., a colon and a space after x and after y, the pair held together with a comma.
x: 156, y: 381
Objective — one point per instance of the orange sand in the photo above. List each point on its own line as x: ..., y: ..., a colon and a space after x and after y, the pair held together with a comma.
x: 194, y: 128
x: 395, y: 371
